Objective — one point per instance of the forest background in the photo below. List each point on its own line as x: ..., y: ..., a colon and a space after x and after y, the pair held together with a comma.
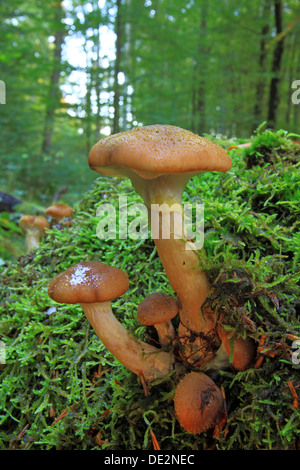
x: 75, y: 71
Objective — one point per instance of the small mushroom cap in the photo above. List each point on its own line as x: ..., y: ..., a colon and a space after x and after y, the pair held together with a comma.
x: 88, y: 282
x: 157, y: 308
x: 198, y: 402
x: 156, y: 150
x: 243, y: 348
x: 30, y: 222
x: 59, y: 210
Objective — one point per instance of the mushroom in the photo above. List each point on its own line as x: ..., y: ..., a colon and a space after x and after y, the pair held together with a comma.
x: 198, y: 402
x: 242, y: 146
x: 158, y: 309
x: 159, y: 160
x: 93, y: 285
x: 57, y: 212
x: 240, y: 350
x: 34, y: 228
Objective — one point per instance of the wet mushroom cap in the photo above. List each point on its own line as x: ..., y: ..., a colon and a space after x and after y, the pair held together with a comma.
x: 88, y: 282
x: 198, y: 402
x: 155, y: 150
x: 157, y: 308
x: 59, y: 211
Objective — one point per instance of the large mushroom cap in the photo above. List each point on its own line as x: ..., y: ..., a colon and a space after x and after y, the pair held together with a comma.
x: 155, y: 150
x: 88, y: 282
x: 198, y: 402
x: 157, y: 308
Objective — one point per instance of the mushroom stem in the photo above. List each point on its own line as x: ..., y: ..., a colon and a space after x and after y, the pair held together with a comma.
x: 192, y: 288
x: 159, y: 160
x: 165, y: 332
x: 33, y: 239
x: 181, y: 263
x: 137, y: 356
x: 34, y: 229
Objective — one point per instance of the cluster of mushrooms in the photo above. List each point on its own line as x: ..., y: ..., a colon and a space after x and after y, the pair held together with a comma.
x: 35, y: 227
x: 159, y: 160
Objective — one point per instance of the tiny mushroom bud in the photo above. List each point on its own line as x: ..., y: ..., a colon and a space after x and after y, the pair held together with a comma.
x: 158, y: 309
x: 93, y: 285
x: 242, y: 350
x: 34, y: 228
x: 160, y: 160
x: 198, y: 402
x: 57, y: 212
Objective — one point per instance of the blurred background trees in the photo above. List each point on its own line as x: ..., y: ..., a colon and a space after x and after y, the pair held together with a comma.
x: 77, y: 70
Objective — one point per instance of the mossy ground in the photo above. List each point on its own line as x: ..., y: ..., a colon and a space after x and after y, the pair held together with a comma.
x: 61, y: 389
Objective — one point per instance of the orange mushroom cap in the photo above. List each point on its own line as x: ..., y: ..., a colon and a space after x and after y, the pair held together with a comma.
x: 155, y: 150
x: 157, y: 308
x: 88, y: 282
x: 58, y: 211
x: 198, y: 402
x: 28, y: 222
x: 241, y: 349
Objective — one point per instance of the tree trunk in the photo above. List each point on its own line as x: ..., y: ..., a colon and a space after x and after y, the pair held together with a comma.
x: 88, y: 113
x: 53, y: 96
x: 198, y: 92
x: 260, y: 87
x: 276, y: 66
x: 291, y: 73
x: 116, y: 119
x: 126, y: 67
x: 97, y: 75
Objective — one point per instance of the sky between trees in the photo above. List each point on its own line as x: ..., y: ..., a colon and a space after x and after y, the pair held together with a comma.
x: 76, y: 70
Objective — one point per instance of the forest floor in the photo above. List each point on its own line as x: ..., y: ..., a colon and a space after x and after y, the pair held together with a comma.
x: 61, y: 389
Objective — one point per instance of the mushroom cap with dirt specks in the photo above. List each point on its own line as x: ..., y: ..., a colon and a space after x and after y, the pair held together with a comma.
x: 155, y: 150
x: 88, y: 282
x: 157, y: 308
x: 198, y: 402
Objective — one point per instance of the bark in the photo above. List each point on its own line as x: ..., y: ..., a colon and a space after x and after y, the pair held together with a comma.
x: 53, y: 96
x: 97, y: 74
x: 116, y: 104
x: 292, y: 72
x: 198, y: 92
x: 88, y: 114
x: 260, y: 87
x: 276, y: 65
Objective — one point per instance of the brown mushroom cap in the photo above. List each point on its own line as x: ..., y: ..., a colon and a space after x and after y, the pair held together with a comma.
x: 155, y: 150
x: 198, y: 402
x: 157, y: 308
x: 59, y: 211
x: 88, y: 282
x: 31, y: 222
x: 243, y: 348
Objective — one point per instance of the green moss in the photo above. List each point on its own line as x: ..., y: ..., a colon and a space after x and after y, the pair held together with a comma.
x: 251, y: 254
